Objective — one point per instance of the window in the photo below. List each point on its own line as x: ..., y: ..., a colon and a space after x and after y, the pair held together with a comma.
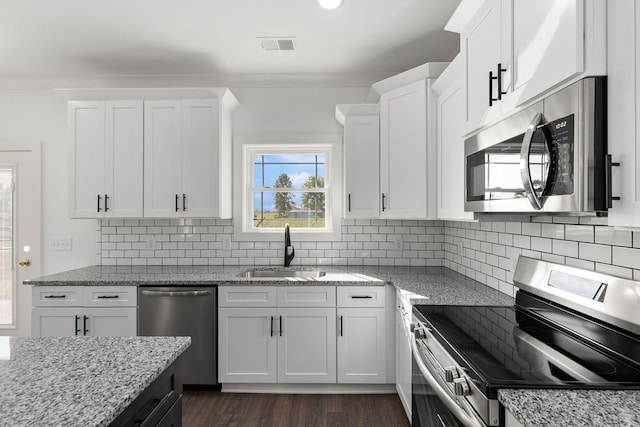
x: 288, y: 183
x: 289, y: 188
x: 7, y: 288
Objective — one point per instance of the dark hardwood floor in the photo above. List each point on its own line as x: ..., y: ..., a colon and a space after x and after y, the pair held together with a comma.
x: 209, y: 408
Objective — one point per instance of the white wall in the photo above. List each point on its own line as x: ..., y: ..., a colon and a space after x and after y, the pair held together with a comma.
x: 40, y: 115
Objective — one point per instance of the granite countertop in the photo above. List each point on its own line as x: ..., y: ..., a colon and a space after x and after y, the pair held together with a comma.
x: 573, y: 407
x: 78, y: 381
x: 195, y: 276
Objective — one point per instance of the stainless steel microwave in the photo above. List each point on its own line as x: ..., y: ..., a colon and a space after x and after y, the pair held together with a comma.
x: 548, y: 158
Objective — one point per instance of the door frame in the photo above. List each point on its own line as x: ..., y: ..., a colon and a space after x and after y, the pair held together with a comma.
x: 22, y: 301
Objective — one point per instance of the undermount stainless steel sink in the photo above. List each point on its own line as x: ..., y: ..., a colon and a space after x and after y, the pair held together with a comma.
x: 282, y: 273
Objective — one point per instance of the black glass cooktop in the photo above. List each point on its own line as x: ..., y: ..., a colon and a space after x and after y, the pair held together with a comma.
x: 540, y: 346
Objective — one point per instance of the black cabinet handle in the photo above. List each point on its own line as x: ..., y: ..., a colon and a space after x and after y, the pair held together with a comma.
x: 271, y: 325
x: 361, y: 296
x: 184, y: 202
x: 609, y: 166
x: 106, y: 203
x: 177, y: 203
x: 341, y: 325
x: 99, y: 198
x: 84, y: 324
x: 54, y: 296
x: 491, y: 79
x: 349, y: 202
x: 383, y: 197
x: 280, y: 325
x: 108, y: 297
x: 77, y: 330
x: 500, y: 72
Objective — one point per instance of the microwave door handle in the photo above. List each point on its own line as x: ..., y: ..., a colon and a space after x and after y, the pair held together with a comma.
x: 524, y: 161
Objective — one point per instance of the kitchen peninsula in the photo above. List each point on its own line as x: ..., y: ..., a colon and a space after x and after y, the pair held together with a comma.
x: 90, y: 381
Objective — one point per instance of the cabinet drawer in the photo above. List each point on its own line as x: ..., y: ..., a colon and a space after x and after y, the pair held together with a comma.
x: 247, y: 296
x: 306, y: 296
x: 57, y: 296
x: 110, y: 296
x: 361, y: 296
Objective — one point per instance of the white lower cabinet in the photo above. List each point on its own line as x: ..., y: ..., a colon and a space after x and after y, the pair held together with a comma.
x: 292, y: 335
x: 84, y: 311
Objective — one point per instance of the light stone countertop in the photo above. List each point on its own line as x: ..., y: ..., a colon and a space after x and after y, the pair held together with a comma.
x: 78, y: 381
x: 573, y: 408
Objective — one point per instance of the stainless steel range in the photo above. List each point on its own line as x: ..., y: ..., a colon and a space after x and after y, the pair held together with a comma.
x: 570, y: 328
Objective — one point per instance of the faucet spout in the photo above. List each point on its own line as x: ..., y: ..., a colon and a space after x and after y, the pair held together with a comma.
x: 289, y: 252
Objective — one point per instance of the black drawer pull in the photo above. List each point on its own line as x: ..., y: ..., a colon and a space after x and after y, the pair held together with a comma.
x: 77, y: 330
x: 84, y: 324
x: 361, y: 296
x: 54, y: 296
x: 108, y: 297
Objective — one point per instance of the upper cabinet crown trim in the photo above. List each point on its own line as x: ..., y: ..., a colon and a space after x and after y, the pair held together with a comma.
x: 343, y: 110
x: 101, y: 94
x: 430, y: 70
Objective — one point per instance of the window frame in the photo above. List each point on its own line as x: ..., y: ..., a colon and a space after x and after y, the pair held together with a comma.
x: 245, y: 147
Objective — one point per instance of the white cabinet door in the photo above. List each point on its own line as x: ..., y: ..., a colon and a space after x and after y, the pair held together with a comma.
x: 548, y: 45
x: 362, y: 346
x: 361, y: 166
x: 86, y: 127
x: 450, y: 144
x: 163, y: 196
x: 201, y: 158
x: 307, y: 345
x: 624, y: 113
x: 247, y: 345
x: 123, y: 159
x: 403, y: 152
x: 110, y: 322
x: 481, y: 44
x: 56, y: 321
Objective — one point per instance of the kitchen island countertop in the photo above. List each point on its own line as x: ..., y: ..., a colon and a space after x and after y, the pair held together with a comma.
x: 78, y: 381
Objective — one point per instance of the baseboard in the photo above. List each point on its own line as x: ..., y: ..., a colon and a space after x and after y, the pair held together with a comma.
x: 310, y: 388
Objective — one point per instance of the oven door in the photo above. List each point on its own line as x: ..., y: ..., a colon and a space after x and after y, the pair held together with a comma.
x: 427, y: 408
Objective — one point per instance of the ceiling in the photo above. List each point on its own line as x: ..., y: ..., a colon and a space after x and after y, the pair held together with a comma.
x: 209, y: 37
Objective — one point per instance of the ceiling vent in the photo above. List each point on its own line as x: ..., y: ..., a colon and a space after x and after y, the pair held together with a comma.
x: 277, y: 43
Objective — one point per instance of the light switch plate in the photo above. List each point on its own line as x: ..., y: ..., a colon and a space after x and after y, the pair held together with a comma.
x: 60, y: 243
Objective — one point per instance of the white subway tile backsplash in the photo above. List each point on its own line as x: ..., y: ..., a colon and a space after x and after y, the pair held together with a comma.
x: 489, y: 249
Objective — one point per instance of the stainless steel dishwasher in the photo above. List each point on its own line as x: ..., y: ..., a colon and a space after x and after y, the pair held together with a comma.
x: 184, y: 311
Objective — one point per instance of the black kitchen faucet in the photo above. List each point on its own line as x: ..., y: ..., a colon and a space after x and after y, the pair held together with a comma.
x: 289, y: 252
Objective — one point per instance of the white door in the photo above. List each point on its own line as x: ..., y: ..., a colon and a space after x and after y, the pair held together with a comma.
x: 19, y: 234
x: 201, y: 158
x: 111, y: 322
x: 403, y: 152
x: 307, y: 345
x: 57, y: 321
x: 163, y: 159
x: 86, y: 127
x: 361, y: 346
x: 361, y: 166
x: 481, y: 44
x: 247, y: 345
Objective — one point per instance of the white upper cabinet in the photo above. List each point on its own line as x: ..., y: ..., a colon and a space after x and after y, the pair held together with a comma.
x: 105, y: 162
x: 407, y: 151
x: 187, y: 158
x: 450, y: 144
x: 624, y: 111
x: 361, y: 159
x: 515, y: 50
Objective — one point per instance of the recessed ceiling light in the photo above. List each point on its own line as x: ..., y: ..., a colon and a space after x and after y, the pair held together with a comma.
x: 330, y: 4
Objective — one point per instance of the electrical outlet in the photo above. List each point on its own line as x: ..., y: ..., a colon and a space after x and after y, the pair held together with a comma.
x: 397, y: 240
x: 151, y: 243
x: 460, y: 248
x: 60, y: 243
x: 226, y: 243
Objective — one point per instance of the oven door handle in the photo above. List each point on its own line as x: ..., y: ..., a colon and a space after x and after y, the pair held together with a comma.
x: 525, y: 171
x: 453, y: 406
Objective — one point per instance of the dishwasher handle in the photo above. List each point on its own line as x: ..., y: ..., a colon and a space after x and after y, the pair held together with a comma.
x: 203, y: 293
